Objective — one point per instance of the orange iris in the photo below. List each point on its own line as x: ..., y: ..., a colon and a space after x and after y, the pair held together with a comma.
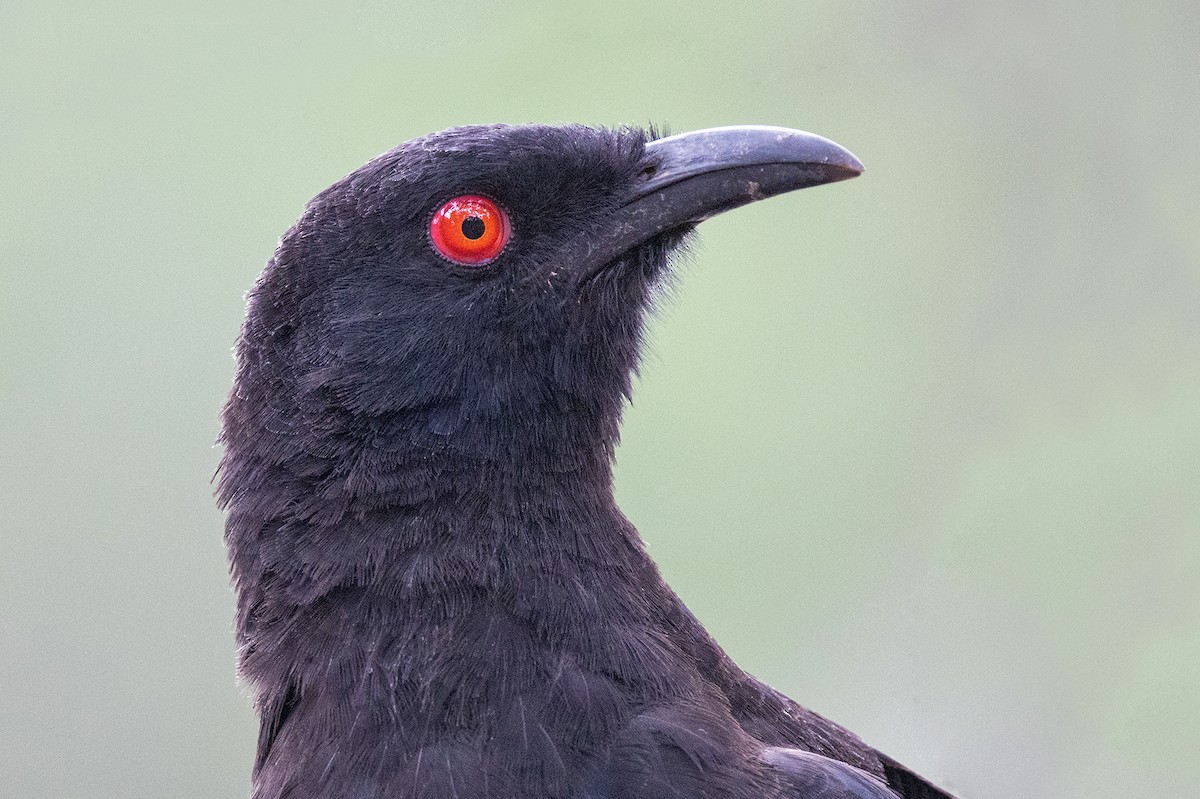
x: 469, y: 230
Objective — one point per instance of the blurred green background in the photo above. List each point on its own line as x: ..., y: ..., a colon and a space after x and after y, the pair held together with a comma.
x: 920, y: 449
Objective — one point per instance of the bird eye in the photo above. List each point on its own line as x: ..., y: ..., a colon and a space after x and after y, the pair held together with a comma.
x: 469, y: 230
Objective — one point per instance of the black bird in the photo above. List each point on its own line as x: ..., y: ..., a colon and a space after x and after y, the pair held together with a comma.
x: 438, y: 597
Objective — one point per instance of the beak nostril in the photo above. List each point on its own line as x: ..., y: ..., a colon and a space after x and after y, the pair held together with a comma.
x: 648, y: 171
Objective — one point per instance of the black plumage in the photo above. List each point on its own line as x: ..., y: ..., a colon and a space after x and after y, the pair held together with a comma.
x: 437, y: 596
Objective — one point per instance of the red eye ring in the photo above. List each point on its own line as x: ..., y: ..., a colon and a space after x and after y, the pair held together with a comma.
x: 469, y: 230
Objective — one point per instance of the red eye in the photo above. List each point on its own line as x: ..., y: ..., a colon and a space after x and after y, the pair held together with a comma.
x: 469, y: 230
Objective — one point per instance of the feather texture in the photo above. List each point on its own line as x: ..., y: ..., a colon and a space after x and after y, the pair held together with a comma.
x: 437, y: 595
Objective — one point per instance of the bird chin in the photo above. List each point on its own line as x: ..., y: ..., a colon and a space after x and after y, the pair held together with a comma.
x: 650, y: 260
x: 668, y: 246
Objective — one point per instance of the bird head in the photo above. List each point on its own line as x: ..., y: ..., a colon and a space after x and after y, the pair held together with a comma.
x: 480, y: 292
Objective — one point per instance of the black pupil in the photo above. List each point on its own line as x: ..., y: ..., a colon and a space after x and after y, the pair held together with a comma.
x: 473, y: 227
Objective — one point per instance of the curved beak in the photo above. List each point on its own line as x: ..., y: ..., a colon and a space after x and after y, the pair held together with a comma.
x: 693, y: 176
x: 696, y: 175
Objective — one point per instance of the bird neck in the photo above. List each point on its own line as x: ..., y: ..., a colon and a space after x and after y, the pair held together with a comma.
x: 454, y: 538
x: 343, y: 525
x: 314, y: 515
